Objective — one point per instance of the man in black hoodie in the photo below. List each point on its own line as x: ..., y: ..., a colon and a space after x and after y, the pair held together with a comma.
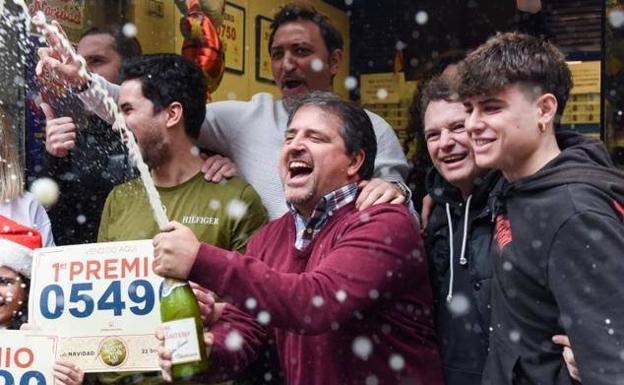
x: 559, y: 236
x: 458, y: 235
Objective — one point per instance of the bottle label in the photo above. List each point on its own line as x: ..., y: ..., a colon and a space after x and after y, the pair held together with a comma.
x: 181, y: 340
x: 170, y: 284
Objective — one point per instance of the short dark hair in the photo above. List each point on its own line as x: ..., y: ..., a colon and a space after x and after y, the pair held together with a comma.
x: 126, y: 47
x: 297, y: 11
x: 167, y: 78
x: 510, y: 58
x: 442, y: 87
x: 356, y: 131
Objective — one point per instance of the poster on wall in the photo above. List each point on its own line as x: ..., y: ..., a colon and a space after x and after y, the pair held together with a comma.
x: 232, y: 34
x: 263, y: 57
x: 381, y: 88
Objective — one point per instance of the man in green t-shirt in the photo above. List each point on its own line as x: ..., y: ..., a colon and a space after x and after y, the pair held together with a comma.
x: 162, y: 98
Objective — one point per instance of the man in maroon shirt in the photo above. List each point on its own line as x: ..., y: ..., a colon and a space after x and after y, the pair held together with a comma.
x: 345, y: 293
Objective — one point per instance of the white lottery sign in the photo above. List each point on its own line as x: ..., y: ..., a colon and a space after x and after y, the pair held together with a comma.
x: 102, y: 299
x: 26, y: 357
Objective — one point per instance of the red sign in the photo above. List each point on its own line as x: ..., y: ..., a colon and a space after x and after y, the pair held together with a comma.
x: 69, y: 13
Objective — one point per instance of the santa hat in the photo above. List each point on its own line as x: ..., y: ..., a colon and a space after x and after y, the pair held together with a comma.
x: 16, y: 245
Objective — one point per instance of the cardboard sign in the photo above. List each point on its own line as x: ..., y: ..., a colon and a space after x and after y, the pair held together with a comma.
x: 382, y: 88
x: 232, y: 34
x: 586, y: 77
x: 263, y: 57
x: 102, y: 300
x: 25, y: 357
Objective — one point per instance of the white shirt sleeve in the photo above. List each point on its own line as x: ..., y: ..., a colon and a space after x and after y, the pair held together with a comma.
x: 390, y: 162
x: 93, y: 100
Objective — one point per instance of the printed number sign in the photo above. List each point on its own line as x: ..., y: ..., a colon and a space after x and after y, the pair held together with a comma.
x: 26, y: 357
x: 102, y: 299
x: 232, y: 34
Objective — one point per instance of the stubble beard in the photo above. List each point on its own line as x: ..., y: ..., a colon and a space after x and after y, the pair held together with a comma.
x: 155, y: 153
x: 299, y: 198
x: 290, y: 102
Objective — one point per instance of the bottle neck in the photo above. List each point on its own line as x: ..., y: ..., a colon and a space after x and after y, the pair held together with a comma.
x: 170, y: 284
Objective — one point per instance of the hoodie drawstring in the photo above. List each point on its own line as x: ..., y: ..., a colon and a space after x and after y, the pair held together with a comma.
x: 462, y: 258
x: 450, y: 230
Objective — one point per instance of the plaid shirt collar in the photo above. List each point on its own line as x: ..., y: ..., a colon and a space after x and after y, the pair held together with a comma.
x: 307, y: 229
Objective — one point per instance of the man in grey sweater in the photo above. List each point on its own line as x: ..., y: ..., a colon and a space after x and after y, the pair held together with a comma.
x: 306, y: 53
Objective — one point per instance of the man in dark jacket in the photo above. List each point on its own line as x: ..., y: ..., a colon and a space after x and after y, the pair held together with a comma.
x: 458, y: 236
x: 460, y: 231
x: 97, y: 160
x: 558, y: 232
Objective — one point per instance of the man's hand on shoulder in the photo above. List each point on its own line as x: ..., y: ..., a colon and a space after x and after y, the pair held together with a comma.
x: 377, y: 191
x: 175, y: 250
x: 568, y: 355
x: 217, y: 167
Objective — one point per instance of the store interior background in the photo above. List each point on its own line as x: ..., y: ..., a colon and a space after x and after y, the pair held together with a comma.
x: 590, y: 32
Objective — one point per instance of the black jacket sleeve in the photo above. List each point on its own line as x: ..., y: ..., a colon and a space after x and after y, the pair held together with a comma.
x: 585, y: 271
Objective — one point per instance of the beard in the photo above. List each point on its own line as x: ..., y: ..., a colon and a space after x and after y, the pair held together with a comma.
x: 290, y: 102
x: 155, y: 153
x: 299, y: 198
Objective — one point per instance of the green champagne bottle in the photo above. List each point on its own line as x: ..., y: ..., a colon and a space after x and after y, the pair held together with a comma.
x: 183, y: 330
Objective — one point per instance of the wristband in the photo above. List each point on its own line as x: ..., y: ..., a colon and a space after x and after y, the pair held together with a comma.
x: 407, y: 193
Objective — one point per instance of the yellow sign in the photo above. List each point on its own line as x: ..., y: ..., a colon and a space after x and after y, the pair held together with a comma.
x: 381, y: 88
x: 232, y: 34
x: 586, y: 76
x: 25, y: 357
x: 263, y: 57
x: 102, y: 299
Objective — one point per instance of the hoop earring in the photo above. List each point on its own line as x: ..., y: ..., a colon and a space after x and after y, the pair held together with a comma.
x: 542, y: 127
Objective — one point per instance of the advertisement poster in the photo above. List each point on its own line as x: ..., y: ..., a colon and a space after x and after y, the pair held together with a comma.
x: 26, y: 357
x: 69, y: 13
x: 232, y: 34
x: 102, y: 300
x: 263, y: 58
